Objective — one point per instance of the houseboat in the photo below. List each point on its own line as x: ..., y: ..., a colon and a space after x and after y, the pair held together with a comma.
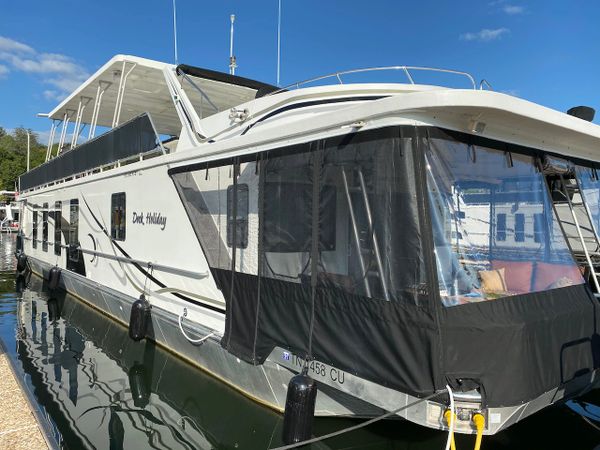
x: 392, y: 240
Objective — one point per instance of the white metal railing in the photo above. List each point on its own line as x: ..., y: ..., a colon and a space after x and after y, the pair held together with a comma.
x: 405, y: 69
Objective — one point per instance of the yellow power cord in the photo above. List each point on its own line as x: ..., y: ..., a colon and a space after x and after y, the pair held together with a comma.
x: 479, y: 422
x: 447, y: 416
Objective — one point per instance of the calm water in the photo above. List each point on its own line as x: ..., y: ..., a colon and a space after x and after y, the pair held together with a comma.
x: 98, y: 389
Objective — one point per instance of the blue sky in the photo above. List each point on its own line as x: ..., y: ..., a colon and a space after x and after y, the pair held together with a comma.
x: 547, y: 52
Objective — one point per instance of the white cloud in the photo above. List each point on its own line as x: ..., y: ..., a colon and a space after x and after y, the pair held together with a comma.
x: 485, y: 35
x: 513, y: 9
x: 10, y: 45
x: 60, y: 71
x: 3, y: 71
x: 51, y: 94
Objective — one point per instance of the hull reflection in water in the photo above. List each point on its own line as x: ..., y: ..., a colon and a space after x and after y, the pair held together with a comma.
x: 110, y: 392
x: 102, y: 390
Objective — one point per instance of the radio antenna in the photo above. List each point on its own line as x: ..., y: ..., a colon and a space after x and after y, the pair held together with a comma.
x: 175, y: 31
x: 232, y: 61
x: 278, y: 41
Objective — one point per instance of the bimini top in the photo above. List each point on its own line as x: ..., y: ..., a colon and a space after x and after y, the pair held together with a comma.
x: 127, y: 86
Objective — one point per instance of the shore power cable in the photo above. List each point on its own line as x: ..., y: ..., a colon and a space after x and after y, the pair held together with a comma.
x: 369, y: 422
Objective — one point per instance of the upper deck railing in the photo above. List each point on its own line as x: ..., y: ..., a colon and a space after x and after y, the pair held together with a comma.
x: 406, y: 70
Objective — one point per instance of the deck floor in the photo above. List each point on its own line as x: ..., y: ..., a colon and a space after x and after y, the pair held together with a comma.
x: 19, y: 428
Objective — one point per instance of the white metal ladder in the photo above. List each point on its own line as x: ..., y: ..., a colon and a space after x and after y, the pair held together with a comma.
x: 373, y: 236
x: 579, y: 211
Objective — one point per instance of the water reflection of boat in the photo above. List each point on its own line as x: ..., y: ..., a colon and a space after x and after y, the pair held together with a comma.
x: 394, y: 240
x: 104, y: 390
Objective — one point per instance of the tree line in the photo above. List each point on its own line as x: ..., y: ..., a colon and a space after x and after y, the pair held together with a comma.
x: 13, y: 155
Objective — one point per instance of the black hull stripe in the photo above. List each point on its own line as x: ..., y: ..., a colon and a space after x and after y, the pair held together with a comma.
x: 144, y: 271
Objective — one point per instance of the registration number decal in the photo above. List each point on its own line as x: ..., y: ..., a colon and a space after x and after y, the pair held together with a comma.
x: 319, y: 370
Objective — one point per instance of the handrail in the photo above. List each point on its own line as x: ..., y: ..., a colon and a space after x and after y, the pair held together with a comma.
x: 405, y: 69
x: 483, y: 83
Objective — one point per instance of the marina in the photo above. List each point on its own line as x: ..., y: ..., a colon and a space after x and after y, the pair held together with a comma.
x: 390, y: 255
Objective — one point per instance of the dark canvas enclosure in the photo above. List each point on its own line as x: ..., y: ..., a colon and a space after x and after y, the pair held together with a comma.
x: 132, y: 138
x: 333, y: 267
x: 349, y: 250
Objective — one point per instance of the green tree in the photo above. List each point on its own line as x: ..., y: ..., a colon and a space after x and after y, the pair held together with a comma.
x: 13, y: 155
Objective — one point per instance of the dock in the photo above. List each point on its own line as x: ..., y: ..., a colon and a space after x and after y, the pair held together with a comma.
x: 19, y: 427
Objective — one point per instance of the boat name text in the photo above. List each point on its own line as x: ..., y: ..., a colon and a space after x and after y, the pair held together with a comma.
x: 150, y: 218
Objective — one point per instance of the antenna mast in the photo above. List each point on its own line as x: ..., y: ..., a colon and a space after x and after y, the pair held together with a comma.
x: 232, y: 61
x: 175, y: 31
x: 278, y: 40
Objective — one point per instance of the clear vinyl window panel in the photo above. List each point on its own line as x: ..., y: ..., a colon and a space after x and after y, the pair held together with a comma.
x: 341, y: 216
x: 208, y: 195
x: 494, y: 228
x: 237, y: 215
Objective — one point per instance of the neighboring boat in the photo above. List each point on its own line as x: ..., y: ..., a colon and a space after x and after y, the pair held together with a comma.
x: 390, y: 238
x: 9, y: 213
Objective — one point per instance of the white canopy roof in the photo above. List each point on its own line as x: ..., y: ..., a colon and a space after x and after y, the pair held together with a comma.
x: 146, y: 91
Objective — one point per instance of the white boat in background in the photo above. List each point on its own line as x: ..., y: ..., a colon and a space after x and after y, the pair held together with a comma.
x: 9, y: 213
x: 392, y: 239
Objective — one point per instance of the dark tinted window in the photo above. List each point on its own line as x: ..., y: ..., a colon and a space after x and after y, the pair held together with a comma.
x: 117, y: 216
x: 57, y: 228
x: 35, y: 228
x: 74, y: 231
x: 501, y: 227
x: 519, y: 227
x: 45, y: 227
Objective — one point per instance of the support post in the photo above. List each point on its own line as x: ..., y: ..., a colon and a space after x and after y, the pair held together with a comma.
x: 51, y: 139
x: 121, y: 92
x: 63, y: 133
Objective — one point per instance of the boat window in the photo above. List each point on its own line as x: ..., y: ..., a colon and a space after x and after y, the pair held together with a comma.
x: 358, y: 192
x: 473, y: 190
x: 45, y: 227
x: 35, y: 227
x: 237, y: 197
x: 369, y: 222
x: 204, y: 192
x: 520, y: 227
x: 57, y: 228
x: 118, y: 216
x: 501, y: 227
x: 74, y: 231
x: 287, y: 216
